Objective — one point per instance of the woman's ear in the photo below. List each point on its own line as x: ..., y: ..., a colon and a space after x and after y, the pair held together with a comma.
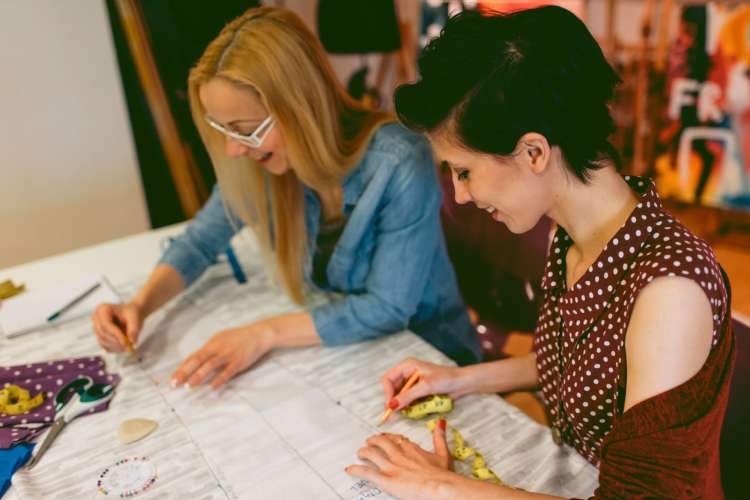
x: 535, y: 151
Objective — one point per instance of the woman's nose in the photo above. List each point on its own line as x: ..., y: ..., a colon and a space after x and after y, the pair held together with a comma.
x: 460, y: 193
x: 234, y: 148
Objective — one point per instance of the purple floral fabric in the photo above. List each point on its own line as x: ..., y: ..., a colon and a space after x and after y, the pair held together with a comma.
x: 47, y: 377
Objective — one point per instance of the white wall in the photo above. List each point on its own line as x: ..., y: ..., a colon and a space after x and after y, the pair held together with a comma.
x: 68, y: 171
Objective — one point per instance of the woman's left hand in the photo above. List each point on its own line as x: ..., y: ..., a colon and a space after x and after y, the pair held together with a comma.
x: 228, y: 353
x: 404, y: 469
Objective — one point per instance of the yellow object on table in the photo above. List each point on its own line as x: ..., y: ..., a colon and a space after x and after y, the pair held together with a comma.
x: 441, y: 403
x: 8, y: 289
x: 16, y: 400
x: 461, y: 452
x: 438, y: 403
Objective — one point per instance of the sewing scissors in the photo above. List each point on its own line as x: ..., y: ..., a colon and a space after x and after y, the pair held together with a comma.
x: 78, y: 385
x: 85, y: 396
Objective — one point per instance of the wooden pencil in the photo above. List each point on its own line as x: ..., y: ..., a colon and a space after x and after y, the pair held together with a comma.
x: 131, y: 348
x: 128, y: 344
x: 409, y: 383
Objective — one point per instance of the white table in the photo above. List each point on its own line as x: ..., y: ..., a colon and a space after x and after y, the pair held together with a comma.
x: 285, y: 429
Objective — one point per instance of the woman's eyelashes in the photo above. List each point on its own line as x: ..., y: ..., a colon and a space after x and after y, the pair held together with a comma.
x: 461, y: 173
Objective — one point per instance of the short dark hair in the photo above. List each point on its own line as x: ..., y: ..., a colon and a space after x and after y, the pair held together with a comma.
x: 498, y: 77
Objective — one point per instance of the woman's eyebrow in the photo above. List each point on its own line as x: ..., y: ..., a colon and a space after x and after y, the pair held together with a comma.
x: 453, y: 166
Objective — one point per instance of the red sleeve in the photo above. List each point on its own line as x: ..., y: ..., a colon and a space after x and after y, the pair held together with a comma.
x: 668, y: 446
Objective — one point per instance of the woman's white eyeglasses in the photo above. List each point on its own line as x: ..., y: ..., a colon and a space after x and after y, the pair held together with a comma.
x: 254, y: 139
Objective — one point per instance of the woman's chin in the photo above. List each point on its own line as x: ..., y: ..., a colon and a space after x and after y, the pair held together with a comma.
x: 275, y: 167
x: 517, y: 227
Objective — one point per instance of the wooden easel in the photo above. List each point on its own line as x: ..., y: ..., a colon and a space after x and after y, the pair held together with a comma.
x: 190, y: 186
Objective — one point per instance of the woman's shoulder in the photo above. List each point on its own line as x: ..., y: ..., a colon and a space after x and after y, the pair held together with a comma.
x: 397, y: 171
x: 397, y: 142
x: 675, y: 251
x: 398, y: 158
x: 679, y: 311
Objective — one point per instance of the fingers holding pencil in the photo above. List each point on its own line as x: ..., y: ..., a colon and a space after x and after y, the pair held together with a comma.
x: 391, y: 406
x: 117, y: 327
x: 131, y: 348
x: 432, y: 379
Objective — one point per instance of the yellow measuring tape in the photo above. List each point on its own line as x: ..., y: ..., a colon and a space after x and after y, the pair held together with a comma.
x: 441, y: 403
x: 420, y: 408
x: 16, y: 400
x: 461, y: 452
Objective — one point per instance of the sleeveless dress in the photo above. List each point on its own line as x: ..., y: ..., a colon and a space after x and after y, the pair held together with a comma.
x: 580, y: 335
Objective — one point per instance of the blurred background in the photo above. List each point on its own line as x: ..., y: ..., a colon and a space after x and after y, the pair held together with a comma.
x: 97, y: 141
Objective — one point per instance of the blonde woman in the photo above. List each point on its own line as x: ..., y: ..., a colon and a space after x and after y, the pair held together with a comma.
x: 337, y: 195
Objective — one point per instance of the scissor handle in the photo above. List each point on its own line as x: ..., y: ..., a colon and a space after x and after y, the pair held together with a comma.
x: 78, y: 385
x: 90, y: 398
x: 96, y: 393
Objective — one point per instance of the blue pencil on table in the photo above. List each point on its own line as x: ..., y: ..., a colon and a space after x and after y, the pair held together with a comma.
x: 239, y: 275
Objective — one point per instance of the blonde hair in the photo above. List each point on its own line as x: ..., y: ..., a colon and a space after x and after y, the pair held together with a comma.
x: 271, y: 52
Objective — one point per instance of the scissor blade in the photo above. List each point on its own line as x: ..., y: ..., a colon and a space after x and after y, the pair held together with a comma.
x: 46, y: 442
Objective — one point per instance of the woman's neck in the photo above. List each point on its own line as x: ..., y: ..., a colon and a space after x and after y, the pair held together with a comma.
x: 331, y: 203
x: 592, y: 213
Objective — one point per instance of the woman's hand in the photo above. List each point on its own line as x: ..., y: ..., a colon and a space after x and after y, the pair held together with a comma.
x: 228, y: 353
x: 434, y: 379
x: 113, y: 321
x: 405, y: 470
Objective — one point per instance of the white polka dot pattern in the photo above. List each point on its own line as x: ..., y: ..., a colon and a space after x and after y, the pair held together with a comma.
x: 583, y: 327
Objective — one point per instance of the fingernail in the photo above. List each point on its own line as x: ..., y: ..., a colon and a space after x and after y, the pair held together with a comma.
x: 442, y: 423
x: 393, y: 404
x: 187, y: 385
x: 173, y: 383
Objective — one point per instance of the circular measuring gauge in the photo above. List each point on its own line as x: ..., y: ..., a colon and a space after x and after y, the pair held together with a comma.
x: 127, y: 477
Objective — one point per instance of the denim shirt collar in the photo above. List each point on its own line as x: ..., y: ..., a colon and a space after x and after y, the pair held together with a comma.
x: 353, y: 185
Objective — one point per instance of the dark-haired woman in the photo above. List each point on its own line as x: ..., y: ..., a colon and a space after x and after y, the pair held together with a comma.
x: 632, y: 348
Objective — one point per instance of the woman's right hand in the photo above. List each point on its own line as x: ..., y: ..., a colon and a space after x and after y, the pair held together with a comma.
x: 433, y: 379
x: 112, y: 321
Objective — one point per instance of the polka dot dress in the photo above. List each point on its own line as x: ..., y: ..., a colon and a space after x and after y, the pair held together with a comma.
x: 580, y: 334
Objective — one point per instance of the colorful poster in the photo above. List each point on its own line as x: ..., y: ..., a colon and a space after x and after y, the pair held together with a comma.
x: 707, y: 139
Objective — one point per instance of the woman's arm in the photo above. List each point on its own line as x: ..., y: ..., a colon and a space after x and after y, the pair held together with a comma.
x: 497, y: 376
x: 112, y: 322
x: 186, y: 258
x: 661, y: 447
x: 506, y: 375
x: 205, y: 237
x: 668, y: 338
x: 233, y: 351
x: 163, y: 284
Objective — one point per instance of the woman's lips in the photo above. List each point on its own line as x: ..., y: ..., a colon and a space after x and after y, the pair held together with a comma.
x: 264, y: 158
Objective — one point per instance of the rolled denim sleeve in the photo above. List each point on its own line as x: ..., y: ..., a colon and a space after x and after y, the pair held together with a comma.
x: 207, y: 235
x: 407, y: 239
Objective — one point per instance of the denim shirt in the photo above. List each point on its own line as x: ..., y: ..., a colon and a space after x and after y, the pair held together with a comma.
x: 390, y: 262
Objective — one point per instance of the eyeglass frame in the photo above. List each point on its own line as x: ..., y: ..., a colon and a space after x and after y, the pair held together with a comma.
x: 254, y: 139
